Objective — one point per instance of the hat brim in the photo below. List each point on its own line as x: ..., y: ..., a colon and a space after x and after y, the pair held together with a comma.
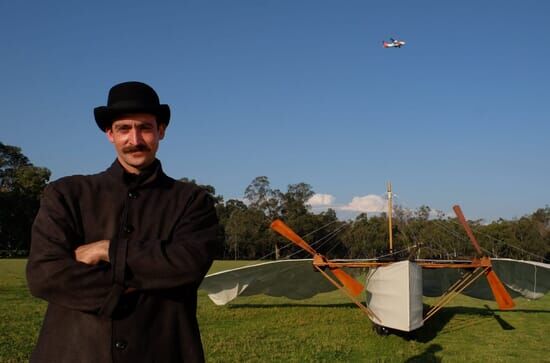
x: 104, y: 116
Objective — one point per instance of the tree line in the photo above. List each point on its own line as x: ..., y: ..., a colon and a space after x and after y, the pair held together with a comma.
x: 246, y: 223
x: 21, y: 184
x: 416, y: 233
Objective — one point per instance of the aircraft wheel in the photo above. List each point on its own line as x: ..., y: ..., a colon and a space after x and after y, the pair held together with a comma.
x: 380, y: 330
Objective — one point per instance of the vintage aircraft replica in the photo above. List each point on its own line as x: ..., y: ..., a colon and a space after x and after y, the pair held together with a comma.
x: 393, y: 43
x: 394, y: 289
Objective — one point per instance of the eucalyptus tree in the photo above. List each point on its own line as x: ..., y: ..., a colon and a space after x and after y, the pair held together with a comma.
x: 21, y: 184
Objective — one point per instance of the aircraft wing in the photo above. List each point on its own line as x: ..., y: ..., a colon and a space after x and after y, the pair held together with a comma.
x: 528, y: 278
x: 297, y: 279
x: 522, y: 278
x: 294, y: 279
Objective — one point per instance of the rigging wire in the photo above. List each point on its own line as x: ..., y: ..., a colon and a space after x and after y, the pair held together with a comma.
x: 410, y: 234
x: 494, y: 239
x: 416, y: 239
x: 327, y: 239
x: 460, y: 237
x: 292, y: 244
x: 336, y: 244
x: 397, y: 252
x: 524, y: 251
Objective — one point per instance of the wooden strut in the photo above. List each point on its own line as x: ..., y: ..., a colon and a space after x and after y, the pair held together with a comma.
x: 390, y: 228
x: 351, y: 287
x: 456, y: 289
x: 502, y: 297
x: 354, y: 286
x: 363, y: 308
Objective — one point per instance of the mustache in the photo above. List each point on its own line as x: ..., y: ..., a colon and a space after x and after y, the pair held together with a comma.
x: 131, y: 149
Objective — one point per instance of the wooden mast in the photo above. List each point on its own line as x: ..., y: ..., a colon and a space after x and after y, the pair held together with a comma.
x: 390, y: 229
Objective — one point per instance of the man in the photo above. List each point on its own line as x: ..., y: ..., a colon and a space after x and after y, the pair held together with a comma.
x: 119, y: 255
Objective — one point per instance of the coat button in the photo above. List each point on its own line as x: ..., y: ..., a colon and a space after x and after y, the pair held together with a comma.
x: 121, y: 344
x: 128, y: 229
x: 132, y: 195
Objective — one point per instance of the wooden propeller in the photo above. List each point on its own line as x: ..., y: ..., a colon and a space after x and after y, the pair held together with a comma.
x: 502, y: 297
x: 351, y: 284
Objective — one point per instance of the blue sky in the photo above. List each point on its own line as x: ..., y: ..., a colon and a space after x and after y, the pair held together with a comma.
x: 299, y: 91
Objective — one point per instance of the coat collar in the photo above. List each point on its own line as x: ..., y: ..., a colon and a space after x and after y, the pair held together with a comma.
x: 150, y: 174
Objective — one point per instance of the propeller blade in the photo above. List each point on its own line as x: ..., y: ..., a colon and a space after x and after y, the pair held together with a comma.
x: 285, y: 231
x: 469, y: 232
x: 502, y: 297
x: 353, y: 286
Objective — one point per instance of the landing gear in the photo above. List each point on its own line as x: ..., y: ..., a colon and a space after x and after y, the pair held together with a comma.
x: 380, y: 330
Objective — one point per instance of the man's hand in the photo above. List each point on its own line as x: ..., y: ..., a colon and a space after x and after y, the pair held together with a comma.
x: 93, y: 253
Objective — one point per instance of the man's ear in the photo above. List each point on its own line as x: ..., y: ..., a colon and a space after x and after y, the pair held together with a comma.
x: 162, y: 130
x: 109, y: 133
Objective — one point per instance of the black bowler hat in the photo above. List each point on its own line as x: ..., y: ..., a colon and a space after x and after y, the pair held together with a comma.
x: 131, y: 97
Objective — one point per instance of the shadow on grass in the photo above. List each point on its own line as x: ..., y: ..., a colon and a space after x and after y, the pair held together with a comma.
x: 435, y: 325
x: 292, y: 305
x: 428, y: 355
x: 456, y: 310
x: 431, y: 328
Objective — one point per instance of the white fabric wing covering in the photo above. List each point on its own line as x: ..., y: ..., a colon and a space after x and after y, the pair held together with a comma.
x: 522, y: 278
x: 297, y: 279
x: 527, y: 278
x: 294, y: 279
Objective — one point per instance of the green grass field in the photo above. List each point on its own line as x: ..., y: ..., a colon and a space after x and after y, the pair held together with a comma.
x: 326, y: 328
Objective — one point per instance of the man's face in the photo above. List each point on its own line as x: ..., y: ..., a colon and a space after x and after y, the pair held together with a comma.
x: 136, y: 139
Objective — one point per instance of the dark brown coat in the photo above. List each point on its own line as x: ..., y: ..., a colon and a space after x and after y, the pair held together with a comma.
x: 163, y: 236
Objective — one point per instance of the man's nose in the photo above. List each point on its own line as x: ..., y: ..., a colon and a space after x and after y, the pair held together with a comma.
x: 136, y: 137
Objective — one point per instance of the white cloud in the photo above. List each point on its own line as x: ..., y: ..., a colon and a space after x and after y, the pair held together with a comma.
x: 371, y: 203
x: 321, y: 200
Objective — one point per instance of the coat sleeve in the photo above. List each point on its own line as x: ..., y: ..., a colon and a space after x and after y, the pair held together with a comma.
x: 182, y: 259
x: 53, y: 274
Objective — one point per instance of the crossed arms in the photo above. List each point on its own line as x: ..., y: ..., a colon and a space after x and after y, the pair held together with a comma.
x: 93, y: 253
x: 93, y: 276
